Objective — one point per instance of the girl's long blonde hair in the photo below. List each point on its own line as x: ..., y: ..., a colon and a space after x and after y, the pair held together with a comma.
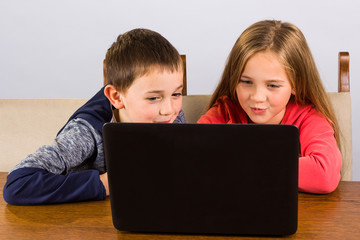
x: 289, y: 44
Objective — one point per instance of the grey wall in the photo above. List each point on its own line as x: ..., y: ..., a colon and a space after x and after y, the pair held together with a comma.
x: 54, y: 49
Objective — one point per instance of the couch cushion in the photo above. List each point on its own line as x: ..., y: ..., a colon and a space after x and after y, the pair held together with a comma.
x: 27, y: 124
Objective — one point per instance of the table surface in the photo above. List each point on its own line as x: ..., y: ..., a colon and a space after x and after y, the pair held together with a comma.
x: 332, y: 216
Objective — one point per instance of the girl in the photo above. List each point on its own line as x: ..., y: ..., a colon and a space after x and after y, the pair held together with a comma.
x: 271, y: 78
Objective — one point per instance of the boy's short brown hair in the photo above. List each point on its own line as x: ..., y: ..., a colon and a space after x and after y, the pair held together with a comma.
x: 134, y: 53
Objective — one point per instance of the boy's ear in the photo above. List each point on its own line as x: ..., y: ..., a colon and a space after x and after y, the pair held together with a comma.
x: 114, y: 96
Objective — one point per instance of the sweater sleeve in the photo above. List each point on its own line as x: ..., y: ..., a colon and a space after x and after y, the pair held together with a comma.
x: 320, y: 160
x: 212, y: 116
x: 180, y: 117
x: 34, y: 186
x: 224, y: 111
x: 47, y: 175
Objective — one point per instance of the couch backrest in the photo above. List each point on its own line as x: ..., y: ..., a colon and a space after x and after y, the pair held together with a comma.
x: 27, y: 124
x: 194, y: 106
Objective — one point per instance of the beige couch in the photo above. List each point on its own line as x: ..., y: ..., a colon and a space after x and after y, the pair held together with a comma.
x: 27, y: 124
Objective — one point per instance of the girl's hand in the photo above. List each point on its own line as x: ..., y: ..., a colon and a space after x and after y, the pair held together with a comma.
x: 104, y: 180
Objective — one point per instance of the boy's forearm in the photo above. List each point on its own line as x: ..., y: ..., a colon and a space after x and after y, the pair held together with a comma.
x: 32, y: 186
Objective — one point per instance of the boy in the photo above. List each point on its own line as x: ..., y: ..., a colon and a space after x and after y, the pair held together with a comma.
x: 145, y: 75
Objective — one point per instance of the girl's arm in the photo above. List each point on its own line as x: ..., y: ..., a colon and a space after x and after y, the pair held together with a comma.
x: 320, y: 161
x: 57, y: 173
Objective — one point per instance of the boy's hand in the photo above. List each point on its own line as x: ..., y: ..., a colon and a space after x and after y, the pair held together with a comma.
x: 104, y: 180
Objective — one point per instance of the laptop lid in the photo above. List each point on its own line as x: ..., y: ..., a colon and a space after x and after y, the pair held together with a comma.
x: 203, y: 178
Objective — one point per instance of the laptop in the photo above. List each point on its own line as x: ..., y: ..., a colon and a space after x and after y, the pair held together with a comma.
x: 222, y: 179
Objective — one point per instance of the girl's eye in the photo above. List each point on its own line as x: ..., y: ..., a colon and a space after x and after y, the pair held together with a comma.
x: 273, y: 86
x: 246, y: 82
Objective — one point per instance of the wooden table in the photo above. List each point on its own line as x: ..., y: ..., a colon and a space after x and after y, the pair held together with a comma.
x: 332, y: 216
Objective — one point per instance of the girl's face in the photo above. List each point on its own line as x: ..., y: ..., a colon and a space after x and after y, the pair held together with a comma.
x: 153, y: 98
x: 264, y: 89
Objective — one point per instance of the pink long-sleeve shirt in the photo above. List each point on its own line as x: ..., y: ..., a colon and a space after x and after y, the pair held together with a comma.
x: 320, y: 160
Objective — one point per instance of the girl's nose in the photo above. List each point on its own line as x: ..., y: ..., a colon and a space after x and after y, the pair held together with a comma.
x: 258, y: 95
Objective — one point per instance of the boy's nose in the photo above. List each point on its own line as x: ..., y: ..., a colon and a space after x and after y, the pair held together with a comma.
x: 166, y: 107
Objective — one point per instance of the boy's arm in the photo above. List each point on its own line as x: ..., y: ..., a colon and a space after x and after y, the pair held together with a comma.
x: 180, y: 117
x: 33, y: 186
x: 104, y: 180
x: 46, y: 177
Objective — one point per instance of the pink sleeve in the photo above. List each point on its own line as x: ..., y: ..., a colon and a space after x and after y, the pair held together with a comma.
x: 320, y: 164
x: 213, y: 115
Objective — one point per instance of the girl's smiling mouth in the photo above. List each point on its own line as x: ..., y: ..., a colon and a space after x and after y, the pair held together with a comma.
x: 258, y: 110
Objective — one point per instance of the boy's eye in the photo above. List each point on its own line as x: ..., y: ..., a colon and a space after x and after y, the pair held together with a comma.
x: 177, y: 94
x: 153, y: 98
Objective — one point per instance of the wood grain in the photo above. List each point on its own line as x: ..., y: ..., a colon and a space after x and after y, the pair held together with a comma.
x: 332, y: 216
x: 344, y: 75
x: 184, y: 91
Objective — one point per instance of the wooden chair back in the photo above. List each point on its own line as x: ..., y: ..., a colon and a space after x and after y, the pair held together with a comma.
x: 341, y: 102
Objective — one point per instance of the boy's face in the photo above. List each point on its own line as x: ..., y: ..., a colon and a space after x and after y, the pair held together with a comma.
x: 153, y: 98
